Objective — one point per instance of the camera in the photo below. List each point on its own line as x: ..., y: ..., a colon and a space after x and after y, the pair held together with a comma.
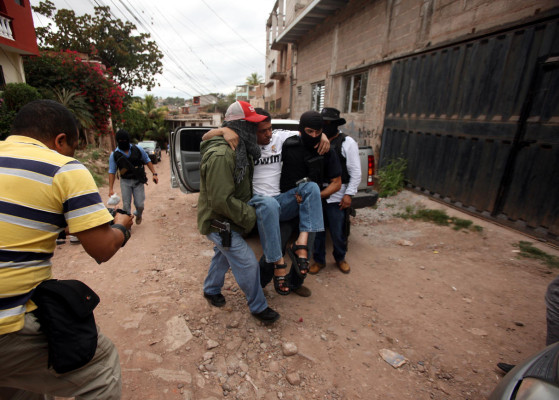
x: 114, y: 211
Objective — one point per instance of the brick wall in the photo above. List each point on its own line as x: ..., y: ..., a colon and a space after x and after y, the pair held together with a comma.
x: 367, y: 35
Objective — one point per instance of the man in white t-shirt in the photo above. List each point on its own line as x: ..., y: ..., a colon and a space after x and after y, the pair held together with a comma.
x: 272, y: 206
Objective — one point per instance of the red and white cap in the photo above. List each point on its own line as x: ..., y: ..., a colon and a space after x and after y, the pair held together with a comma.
x: 243, y: 110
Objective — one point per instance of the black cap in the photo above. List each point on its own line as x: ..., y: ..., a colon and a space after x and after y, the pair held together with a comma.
x: 332, y: 114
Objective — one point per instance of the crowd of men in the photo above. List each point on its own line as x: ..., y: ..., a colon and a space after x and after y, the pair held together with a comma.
x: 290, y: 185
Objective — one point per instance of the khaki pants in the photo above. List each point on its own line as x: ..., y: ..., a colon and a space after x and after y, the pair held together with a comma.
x: 24, y: 374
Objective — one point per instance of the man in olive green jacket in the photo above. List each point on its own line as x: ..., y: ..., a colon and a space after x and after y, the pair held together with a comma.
x: 223, y: 212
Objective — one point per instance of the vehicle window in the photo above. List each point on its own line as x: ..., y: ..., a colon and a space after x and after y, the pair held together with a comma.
x: 146, y: 145
x: 191, y: 140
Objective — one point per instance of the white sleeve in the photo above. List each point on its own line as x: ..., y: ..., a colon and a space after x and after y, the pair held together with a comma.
x: 284, y: 135
x: 350, y: 150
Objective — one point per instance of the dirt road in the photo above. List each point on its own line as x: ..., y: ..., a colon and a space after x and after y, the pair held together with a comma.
x: 452, y: 303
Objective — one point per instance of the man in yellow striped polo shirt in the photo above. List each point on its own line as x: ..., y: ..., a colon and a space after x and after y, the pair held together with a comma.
x: 43, y: 190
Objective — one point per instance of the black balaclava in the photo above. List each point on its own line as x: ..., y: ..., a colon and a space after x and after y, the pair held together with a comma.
x: 313, y: 120
x: 330, y: 129
x: 247, y: 145
x: 123, y: 140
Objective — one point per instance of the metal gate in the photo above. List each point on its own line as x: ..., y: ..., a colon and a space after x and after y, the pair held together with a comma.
x: 478, y: 123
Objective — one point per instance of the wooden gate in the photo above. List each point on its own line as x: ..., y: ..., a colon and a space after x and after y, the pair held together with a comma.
x: 478, y: 123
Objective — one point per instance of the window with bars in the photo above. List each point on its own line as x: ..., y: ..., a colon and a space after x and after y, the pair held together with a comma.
x: 355, y: 92
x: 317, y: 99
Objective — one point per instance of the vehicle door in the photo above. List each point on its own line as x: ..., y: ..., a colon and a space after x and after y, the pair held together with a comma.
x: 184, y: 147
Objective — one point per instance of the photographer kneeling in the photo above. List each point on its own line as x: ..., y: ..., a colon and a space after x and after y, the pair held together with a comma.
x: 44, y: 190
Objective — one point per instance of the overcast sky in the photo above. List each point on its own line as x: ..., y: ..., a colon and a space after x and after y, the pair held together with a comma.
x: 208, y: 45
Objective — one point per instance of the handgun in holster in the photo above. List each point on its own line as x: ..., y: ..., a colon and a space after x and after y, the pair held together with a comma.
x: 224, y: 232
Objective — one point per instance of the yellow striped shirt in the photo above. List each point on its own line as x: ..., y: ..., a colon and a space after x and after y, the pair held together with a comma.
x: 41, y: 192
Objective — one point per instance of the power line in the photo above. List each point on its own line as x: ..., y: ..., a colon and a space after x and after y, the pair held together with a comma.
x: 236, y: 33
x: 201, y: 88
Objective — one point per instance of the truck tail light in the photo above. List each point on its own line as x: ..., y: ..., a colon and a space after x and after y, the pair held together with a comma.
x: 370, y: 170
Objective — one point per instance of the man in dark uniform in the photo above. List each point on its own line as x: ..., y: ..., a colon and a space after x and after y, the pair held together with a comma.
x: 130, y: 159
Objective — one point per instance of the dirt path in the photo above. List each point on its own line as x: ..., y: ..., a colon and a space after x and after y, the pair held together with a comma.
x: 452, y: 303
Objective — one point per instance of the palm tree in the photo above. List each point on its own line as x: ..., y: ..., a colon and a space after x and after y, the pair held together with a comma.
x: 77, y: 104
x: 254, y: 79
x: 154, y: 115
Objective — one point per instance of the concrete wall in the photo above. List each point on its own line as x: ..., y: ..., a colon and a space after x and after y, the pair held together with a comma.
x: 368, y: 35
x: 12, y: 66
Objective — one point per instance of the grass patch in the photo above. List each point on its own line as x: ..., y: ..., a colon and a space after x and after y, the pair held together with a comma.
x: 439, y: 217
x: 529, y: 251
x: 391, y: 177
x: 96, y: 161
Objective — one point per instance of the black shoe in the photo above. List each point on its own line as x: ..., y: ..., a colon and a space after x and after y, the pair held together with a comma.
x: 216, y: 300
x: 267, y: 316
x: 505, y: 367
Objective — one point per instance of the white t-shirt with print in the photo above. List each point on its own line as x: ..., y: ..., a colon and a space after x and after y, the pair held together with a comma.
x: 267, y: 169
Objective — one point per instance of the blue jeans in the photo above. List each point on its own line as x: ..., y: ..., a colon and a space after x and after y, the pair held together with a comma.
x: 246, y: 270
x: 283, y: 207
x: 335, y: 220
x: 129, y: 187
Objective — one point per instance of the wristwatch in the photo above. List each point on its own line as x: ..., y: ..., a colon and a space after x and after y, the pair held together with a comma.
x: 125, y: 231
x: 154, y: 174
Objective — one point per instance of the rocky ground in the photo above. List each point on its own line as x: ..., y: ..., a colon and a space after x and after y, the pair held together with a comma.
x: 425, y: 313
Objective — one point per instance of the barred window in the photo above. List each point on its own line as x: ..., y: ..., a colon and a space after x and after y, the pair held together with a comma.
x: 355, y: 92
x: 317, y: 100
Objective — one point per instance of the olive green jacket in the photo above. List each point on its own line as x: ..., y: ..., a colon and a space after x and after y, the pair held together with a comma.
x: 220, y: 198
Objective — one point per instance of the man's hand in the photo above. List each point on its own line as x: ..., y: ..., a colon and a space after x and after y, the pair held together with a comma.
x: 155, y: 179
x: 124, y: 219
x: 231, y: 137
x: 346, y: 202
x: 111, y: 192
x: 323, y: 146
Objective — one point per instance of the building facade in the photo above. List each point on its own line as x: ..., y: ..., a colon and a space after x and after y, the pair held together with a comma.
x: 464, y: 90
x: 17, y: 38
x: 339, y: 53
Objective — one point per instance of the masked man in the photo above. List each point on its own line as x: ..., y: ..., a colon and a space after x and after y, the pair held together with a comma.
x: 129, y: 160
x: 336, y: 207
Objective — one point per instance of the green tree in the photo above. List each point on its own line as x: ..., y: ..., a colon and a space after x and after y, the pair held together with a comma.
x: 52, y: 71
x: 15, y: 96
x: 76, y: 103
x: 174, y: 101
x: 254, y: 79
x: 134, y: 60
x: 135, y: 122
x: 155, y: 118
x: 224, y: 102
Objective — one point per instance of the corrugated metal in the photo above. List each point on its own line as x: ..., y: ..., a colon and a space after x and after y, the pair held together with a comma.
x: 479, y: 125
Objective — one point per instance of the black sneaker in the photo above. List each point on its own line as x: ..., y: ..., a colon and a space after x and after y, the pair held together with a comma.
x: 216, y: 300
x: 267, y: 316
x: 505, y: 367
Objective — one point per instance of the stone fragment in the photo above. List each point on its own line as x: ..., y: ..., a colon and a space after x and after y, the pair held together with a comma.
x: 289, y: 349
x: 392, y: 358
x: 293, y: 378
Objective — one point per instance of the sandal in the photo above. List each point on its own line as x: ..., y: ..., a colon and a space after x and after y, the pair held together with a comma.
x: 280, y: 282
x: 301, y: 264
